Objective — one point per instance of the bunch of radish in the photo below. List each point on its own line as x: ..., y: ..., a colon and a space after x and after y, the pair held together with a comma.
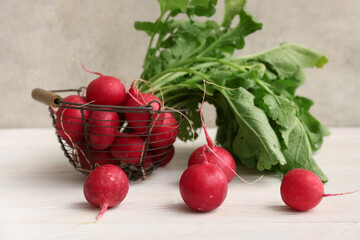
x: 110, y: 137
x: 113, y: 126
x: 204, y: 184
x: 108, y: 127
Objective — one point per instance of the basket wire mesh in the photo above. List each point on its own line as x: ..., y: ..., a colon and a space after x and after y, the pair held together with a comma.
x: 153, y: 152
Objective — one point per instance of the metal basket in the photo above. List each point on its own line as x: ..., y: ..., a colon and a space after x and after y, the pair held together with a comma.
x: 82, y: 154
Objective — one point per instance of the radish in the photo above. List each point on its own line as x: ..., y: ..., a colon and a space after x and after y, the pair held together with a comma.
x: 169, y: 156
x: 105, y: 90
x: 164, y: 135
x: 106, y: 187
x: 98, y: 157
x: 226, y: 163
x: 69, y: 122
x: 214, y: 154
x: 102, y: 128
x: 203, y: 187
x: 128, y: 148
x: 303, y: 190
x: 158, y: 155
x: 140, y: 121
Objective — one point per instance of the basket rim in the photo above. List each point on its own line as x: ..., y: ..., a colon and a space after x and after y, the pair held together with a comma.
x: 106, y: 108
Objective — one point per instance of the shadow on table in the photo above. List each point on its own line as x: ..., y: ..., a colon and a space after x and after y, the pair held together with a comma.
x: 59, y: 174
x: 85, y: 206
x: 282, y: 209
x: 249, y: 175
x: 183, y: 208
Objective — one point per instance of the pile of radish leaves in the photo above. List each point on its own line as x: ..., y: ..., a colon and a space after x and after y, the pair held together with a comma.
x: 260, y: 119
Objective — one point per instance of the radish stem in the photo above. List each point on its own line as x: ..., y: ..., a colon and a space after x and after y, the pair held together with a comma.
x: 97, y: 73
x: 237, y: 175
x: 208, y: 139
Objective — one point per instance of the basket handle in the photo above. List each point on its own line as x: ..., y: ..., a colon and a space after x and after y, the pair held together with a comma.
x: 46, y: 97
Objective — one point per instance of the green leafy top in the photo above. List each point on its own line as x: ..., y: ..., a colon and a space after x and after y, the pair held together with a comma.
x: 260, y: 119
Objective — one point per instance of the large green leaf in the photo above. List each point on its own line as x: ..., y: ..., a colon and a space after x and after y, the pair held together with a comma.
x: 314, y: 128
x: 299, y: 153
x: 289, y: 58
x: 255, y: 137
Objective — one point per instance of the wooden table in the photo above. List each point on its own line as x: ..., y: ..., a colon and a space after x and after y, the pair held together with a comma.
x: 41, y: 198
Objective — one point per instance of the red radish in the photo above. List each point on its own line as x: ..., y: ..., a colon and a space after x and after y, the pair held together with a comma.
x: 303, y: 190
x: 169, y: 156
x: 203, y: 186
x: 105, y: 90
x: 106, y: 187
x: 128, y: 148
x: 214, y: 154
x: 226, y: 163
x: 140, y: 121
x: 102, y: 128
x: 69, y: 123
x: 98, y: 157
x: 164, y: 135
x: 159, y: 155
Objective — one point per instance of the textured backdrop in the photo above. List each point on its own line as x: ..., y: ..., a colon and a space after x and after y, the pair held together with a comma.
x: 40, y: 39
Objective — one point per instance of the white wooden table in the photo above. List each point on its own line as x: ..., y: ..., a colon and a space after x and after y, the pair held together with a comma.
x: 41, y: 198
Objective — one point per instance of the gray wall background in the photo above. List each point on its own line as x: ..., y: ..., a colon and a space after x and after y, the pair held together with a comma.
x: 40, y: 39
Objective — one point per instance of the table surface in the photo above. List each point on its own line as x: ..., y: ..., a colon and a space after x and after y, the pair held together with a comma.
x: 41, y: 197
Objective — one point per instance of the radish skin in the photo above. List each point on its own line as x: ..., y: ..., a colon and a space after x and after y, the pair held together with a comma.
x: 169, y: 156
x: 140, y: 121
x: 159, y: 155
x: 106, y: 90
x: 204, y: 186
x: 102, y: 129
x: 106, y: 187
x: 128, y: 148
x: 303, y: 190
x: 164, y: 135
x: 99, y: 157
x: 226, y: 163
x: 69, y: 123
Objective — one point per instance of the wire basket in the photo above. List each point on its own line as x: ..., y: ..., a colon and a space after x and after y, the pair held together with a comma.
x: 138, y: 153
